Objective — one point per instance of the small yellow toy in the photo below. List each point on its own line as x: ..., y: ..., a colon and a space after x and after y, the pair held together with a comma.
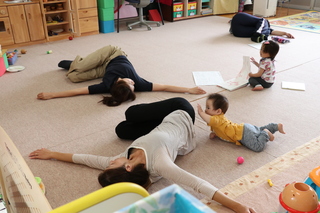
x: 270, y: 182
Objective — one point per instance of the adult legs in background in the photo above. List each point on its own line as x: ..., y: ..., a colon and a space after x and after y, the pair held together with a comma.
x: 93, y: 66
x: 65, y: 64
x: 245, y: 25
x: 142, y: 118
x: 241, y: 5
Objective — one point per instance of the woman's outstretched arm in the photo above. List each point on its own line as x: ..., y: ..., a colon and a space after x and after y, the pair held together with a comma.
x: 281, y: 33
x: 231, y: 204
x: 46, y: 154
x: 170, y: 88
x: 62, y: 94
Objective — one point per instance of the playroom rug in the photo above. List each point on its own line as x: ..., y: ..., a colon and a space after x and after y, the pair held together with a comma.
x: 292, y: 166
x: 308, y: 21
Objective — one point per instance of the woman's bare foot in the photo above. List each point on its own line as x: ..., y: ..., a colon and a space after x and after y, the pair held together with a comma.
x: 271, y: 136
x: 280, y: 128
x: 212, y: 135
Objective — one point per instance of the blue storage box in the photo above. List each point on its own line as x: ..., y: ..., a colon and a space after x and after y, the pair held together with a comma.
x: 170, y: 199
x: 106, y: 26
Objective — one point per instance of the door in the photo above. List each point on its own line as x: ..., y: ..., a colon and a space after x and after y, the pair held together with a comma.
x: 19, y: 24
x: 35, y: 22
x: 6, y: 36
x: 316, y: 5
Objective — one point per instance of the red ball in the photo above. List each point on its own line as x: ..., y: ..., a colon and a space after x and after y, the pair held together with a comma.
x: 240, y: 160
x: 70, y: 38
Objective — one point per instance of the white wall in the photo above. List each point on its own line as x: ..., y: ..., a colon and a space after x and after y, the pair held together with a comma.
x: 303, y: 5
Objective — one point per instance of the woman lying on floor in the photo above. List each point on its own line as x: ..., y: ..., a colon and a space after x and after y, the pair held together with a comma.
x: 119, y: 78
x: 163, y: 130
x: 256, y: 28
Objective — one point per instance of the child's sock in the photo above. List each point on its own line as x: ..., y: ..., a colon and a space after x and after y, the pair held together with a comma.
x: 65, y: 64
x: 258, y: 87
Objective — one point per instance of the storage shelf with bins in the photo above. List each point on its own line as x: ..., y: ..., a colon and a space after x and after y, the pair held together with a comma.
x: 57, y: 19
x: 203, y: 8
x: 184, y: 9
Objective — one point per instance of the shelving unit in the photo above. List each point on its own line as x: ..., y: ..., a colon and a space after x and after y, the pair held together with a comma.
x: 57, y: 19
x: 170, y: 14
x: 203, y: 8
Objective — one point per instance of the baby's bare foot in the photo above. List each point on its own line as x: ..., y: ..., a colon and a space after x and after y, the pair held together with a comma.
x: 271, y: 136
x: 280, y: 128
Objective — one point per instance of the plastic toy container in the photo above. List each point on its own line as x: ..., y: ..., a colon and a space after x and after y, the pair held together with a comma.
x: 170, y: 199
x: 105, y: 4
x: 177, y: 6
x: 2, y: 66
x: 177, y: 14
x: 106, y: 14
x: 192, y: 5
x: 106, y: 26
x: 13, y: 59
x: 192, y: 12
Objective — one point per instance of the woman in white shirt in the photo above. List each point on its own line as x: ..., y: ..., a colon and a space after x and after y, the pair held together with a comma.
x: 151, y: 156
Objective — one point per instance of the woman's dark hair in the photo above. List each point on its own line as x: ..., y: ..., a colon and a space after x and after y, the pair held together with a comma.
x: 138, y: 175
x: 271, y: 47
x: 219, y: 102
x: 120, y: 92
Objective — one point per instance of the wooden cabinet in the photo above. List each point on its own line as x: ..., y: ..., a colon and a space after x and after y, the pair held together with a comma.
x: 57, y: 19
x: 86, y: 14
x: 34, y: 21
x: 6, y: 36
x: 42, y: 21
x: 26, y: 23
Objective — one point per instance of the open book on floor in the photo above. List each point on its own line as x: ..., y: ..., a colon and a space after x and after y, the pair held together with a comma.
x: 241, y: 79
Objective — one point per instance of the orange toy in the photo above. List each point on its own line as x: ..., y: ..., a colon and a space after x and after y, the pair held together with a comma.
x: 299, y: 198
x: 314, y: 180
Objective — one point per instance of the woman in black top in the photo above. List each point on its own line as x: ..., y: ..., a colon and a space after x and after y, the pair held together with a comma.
x: 256, y: 28
x: 119, y: 78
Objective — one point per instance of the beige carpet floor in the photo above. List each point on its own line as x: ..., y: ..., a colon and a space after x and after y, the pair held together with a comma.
x: 167, y: 54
